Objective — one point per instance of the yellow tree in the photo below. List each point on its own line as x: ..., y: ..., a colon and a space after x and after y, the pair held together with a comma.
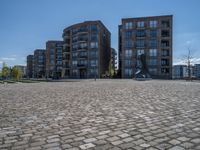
x: 16, y: 73
x: 5, y: 71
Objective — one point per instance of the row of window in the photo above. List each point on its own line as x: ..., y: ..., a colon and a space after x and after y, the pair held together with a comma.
x: 151, y: 24
x: 92, y: 53
x: 92, y: 63
x: 144, y: 33
x: 153, y: 43
x: 93, y: 28
x: 84, y: 45
x: 93, y: 37
x: 150, y: 62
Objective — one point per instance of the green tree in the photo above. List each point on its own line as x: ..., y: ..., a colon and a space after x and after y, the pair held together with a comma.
x: 5, y: 71
x: 16, y: 73
x: 111, y: 70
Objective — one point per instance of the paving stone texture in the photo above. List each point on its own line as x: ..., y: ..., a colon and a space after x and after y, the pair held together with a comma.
x: 101, y: 115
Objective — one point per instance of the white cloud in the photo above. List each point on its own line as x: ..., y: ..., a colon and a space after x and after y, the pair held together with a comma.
x: 8, y: 58
x: 184, y: 61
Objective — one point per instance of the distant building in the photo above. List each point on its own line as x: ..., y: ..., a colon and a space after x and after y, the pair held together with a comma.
x: 114, y: 58
x: 39, y: 62
x: 180, y: 71
x: 151, y: 36
x: 54, y: 59
x: 86, y: 50
x: 29, y: 66
x: 197, y: 70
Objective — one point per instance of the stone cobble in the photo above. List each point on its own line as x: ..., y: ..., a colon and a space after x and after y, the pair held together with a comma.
x: 100, y: 115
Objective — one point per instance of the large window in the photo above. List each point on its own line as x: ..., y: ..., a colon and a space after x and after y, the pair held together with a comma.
x: 128, y: 43
x: 140, y: 33
x: 153, y: 71
x: 140, y: 24
x: 153, y: 24
x: 153, y: 43
x: 93, y: 53
x: 153, y: 52
x: 140, y: 43
x: 74, y: 62
x: 128, y: 25
x: 94, y: 28
x: 93, y: 63
x: 94, y: 45
x: 128, y: 34
x: 128, y: 53
x: 153, y: 33
x: 83, y: 45
x: 128, y: 63
x: 128, y: 72
x: 152, y: 62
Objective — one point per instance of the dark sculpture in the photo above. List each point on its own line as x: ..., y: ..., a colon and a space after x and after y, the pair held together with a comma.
x: 141, y: 68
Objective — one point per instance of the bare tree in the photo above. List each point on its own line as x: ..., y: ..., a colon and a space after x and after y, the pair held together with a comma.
x: 188, y: 59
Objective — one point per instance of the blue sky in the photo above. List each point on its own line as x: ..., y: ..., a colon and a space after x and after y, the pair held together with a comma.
x: 26, y: 25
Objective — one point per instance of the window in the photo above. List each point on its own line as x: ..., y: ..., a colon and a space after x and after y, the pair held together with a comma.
x: 140, y: 24
x: 51, y: 62
x: 152, y: 62
x: 93, y: 53
x: 94, y: 37
x: 153, y: 33
x: 59, y: 62
x: 93, y: 71
x: 93, y: 63
x: 153, y: 52
x: 52, y: 51
x: 74, y: 62
x: 83, y: 45
x: 140, y: 44
x: 140, y: 52
x: 94, y: 28
x: 153, y: 24
x: 152, y: 43
x: 128, y: 25
x: 94, y: 45
x: 74, y: 71
x: 74, y: 54
x: 165, y: 23
x: 128, y: 63
x: 164, y: 62
x: 59, y: 50
x: 164, y: 52
x: 128, y: 72
x: 165, y: 33
x: 140, y: 33
x: 164, y: 70
x: 128, y: 34
x: 128, y: 53
x: 128, y: 43
x: 153, y: 71
x: 164, y: 43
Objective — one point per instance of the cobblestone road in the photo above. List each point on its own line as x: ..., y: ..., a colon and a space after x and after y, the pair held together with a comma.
x: 106, y: 114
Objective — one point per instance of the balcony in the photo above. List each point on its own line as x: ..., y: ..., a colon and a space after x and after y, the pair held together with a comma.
x: 165, y: 33
x: 82, y: 48
x: 82, y: 65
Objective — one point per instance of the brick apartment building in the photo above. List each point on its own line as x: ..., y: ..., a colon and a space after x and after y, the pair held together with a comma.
x: 86, y: 50
x: 29, y: 69
x: 54, y: 59
x: 151, y: 36
x: 39, y: 61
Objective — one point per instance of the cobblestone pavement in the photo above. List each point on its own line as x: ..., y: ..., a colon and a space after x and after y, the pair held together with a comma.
x: 106, y: 114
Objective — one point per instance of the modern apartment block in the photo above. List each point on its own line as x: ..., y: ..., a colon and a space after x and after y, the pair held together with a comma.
x: 86, y: 50
x: 151, y: 36
x: 197, y: 70
x: 54, y: 59
x: 180, y: 71
x: 29, y: 66
x: 39, y: 63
